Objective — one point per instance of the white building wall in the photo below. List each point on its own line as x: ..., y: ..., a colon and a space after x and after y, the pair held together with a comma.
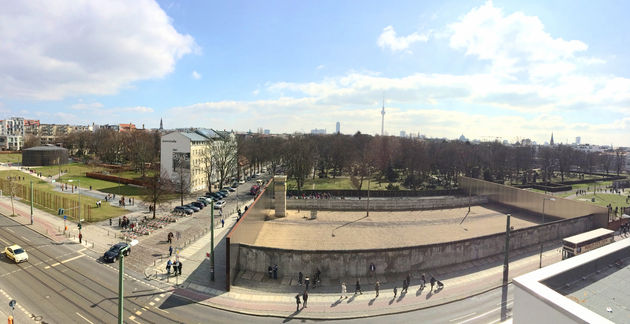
x: 170, y: 143
x: 531, y: 309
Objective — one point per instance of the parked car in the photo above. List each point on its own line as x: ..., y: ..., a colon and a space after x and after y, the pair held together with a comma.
x: 198, y: 204
x: 183, y: 209
x: 229, y: 189
x: 219, y: 195
x: 112, y: 254
x: 203, y: 201
x: 16, y: 253
x: 235, y: 185
x: 224, y: 192
x: 208, y: 200
x: 219, y: 204
x: 254, y: 190
x: 254, y: 176
x: 241, y: 181
x: 193, y: 207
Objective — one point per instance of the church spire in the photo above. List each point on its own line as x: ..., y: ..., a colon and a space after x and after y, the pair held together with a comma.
x: 161, y: 125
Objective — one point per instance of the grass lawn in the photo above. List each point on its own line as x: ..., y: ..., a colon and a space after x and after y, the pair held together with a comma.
x: 105, y: 212
x: 10, y: 158
x: 603, y: 199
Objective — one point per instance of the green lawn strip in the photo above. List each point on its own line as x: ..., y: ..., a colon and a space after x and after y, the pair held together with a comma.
x: 102, y: 213
x: 10, y: 158
x: 74, y: 169
x: 603, y: 200
x: 339, y: 183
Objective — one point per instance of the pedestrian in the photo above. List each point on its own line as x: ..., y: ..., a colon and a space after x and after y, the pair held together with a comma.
x: 300, y: 278
x: 372, y: 269
x: 90, y: 187
x: 80, y: 237
x: 275, y: 271
x: 270, y: 271
x: 343, y: 291
x: 404, y: 287
x: 170, y: 250
x: 297, y: 301
x: 110, y: 222
x: 424, y: 281
x: 222, y: 223
x: 305, y: 297
x: 179, y: 268
x: 175, y: 265
x: 432, y: 282
x: 118, y: 221
x: 307, y: 281
x: 168, y: 267
x: 357, y: 288
x: 408, y: 279
x: 377, y: 286
x: 395, y: 291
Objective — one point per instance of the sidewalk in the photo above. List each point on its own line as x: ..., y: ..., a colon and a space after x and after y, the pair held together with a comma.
x: 270, y: 297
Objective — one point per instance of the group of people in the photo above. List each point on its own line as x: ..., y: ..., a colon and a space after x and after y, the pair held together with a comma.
x: 273, y: 271
x: 624, y: 229
x: 177, y: 267
x: 124, y: 222
x: 306, y: 281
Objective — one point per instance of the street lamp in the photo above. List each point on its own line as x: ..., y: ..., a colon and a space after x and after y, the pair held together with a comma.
x: 121, y: 271
x: 543, y: 222
x: 79, y: 181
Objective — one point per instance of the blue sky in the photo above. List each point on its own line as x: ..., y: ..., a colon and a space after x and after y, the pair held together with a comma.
x: 502, y: 69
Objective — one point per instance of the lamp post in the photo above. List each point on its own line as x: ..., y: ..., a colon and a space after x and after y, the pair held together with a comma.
x: 31, y: 202
x: 543, y: 222
x: 121, y: 271
x: 79, y: 181
x: 212, y: 241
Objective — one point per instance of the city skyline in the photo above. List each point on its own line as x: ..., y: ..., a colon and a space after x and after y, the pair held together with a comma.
x: 441, y: 67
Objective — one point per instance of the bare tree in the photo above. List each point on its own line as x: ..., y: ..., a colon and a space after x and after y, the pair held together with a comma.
x: 181, y: 166
x: 224, y: 158
x: 12, y: 189
x: 157, y: 187
x: 31, y: 141
x: 299, y: 159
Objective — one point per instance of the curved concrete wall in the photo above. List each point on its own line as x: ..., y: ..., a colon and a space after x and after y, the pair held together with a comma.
x: 354, y: 263
x: 385, y: 204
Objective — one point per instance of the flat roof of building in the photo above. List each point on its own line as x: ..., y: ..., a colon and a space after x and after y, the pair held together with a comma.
x: 579, y: 238
x: 593, y: 287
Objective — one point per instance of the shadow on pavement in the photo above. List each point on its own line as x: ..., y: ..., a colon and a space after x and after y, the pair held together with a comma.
x: 290, y: 317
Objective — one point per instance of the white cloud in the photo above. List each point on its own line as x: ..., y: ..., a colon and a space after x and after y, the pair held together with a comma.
x: 389, y: 39
x: 321, y: 66
x: 56, y: 49
x: 87, y: 106
x: 196, y: 75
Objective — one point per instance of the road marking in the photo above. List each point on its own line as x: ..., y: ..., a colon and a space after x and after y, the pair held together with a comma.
x: 5, y: 242
x: 87, y: 320
x: 64, y: 261
x: 162, y: 310
x: 138, y: 313
x: 151, y: 303
x: 10, y: 230
x: 25, y: 239
x: 83, y: 249
x: 482, y: 315
x: 458, y: 318
x: 133, y: 318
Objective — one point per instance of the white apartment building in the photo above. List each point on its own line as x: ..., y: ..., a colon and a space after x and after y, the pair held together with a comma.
x: 184, y: 153
x: 12, y: 134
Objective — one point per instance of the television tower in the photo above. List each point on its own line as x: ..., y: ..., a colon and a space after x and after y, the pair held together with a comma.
x: 383, y: 118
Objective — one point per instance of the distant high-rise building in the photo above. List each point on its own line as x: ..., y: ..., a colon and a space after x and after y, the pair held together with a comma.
x: 338, y: 127
x: 403, y: 134
x: 578, y: 140
x: 266, y: 132
x: 318, y: 131
x: 551, y: 142
x: 383, y: 118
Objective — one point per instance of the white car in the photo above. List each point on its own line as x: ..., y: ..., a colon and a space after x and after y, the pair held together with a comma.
x: 219, y: 204
x: 16, y: 253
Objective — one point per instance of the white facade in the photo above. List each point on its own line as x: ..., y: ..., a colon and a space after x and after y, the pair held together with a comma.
x: 191, y: 150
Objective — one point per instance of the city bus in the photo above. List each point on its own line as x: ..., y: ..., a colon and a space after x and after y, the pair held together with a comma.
x: 580, y: 243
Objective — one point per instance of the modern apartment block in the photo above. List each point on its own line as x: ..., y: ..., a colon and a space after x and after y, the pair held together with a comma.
x: 185, y: 154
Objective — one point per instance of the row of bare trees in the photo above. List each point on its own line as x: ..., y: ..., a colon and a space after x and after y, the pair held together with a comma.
x: 420, y: 164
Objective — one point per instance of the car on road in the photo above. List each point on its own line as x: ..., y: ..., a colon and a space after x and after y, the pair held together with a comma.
x: 203, y: 201
x: 183, y: 209
x: 225, y: 192
x: 16, y: 253
x: 235, y: 185
x: 219, y: 204
x: 241, y: 181
x: 218, y: 195
x: 112, y: 254
x: 193, y: 207
x: 207, y: 200
x: 229, y: 189
x: 198, y: 204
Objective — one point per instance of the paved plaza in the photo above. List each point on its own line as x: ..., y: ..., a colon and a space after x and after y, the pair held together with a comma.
x: 340, y: 230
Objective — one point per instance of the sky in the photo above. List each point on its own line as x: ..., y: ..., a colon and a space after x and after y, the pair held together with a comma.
x: 505, y: 70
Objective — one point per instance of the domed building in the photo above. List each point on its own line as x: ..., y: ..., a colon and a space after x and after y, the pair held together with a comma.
x: 44, y: 155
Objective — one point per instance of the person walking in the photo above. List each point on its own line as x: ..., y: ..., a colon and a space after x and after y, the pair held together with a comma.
x: 179, y: 268
x: 170, y: 250
x: 395, y: 291
x: 175, y: 265
x: 432, y: 282
x: 168, y: 267
x: 377, y: 286
x: 300, y: 278
x: 297, y: 301
x: 423, y: 283
x: 275, y: 271
x: 80, y: 237
x: 270, y: 271
x: 305, y: 298
x: 404, y: 287
x: 343, y: 291
x: 222, y: 223
x: 408, y: 279
x: 307, y: 281
x: 357, y: 288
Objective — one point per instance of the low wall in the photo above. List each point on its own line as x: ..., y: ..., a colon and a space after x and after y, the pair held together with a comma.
x: 376, y: 193
x: 533, y: 201
x: 354, y: 263
x: 385, y: 204
x: 112, y: 178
